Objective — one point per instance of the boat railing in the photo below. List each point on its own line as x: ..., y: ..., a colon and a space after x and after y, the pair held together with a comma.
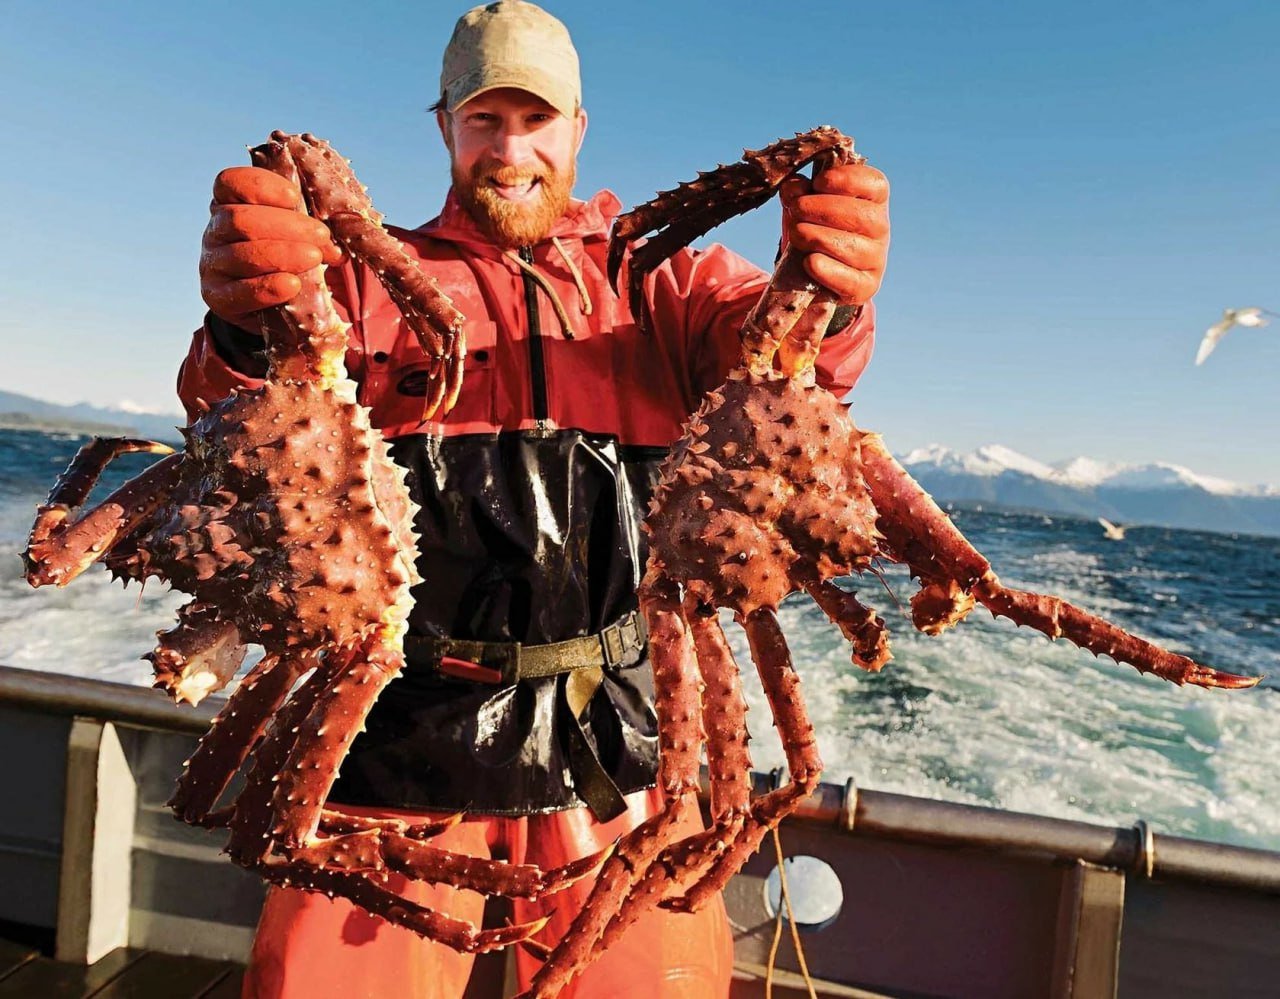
x: 922, y: 897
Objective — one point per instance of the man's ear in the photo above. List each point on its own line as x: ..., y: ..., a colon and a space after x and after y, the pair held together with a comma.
x: 581, y: 122
x: 444, y: 123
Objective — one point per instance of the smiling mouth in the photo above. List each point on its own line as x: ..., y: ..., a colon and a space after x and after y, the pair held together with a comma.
x: 522, y: 191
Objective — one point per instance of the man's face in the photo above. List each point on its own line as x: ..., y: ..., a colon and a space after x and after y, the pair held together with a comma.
x: 513, y: 160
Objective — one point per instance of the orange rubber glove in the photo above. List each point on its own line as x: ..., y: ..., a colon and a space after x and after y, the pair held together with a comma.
x: 256, y: 244
x: 841, y: 220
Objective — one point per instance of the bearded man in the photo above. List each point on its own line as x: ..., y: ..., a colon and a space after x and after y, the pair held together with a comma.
x: 532, y: 489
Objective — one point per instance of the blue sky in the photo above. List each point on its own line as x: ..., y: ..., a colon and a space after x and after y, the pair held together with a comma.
x: 1078, y: 189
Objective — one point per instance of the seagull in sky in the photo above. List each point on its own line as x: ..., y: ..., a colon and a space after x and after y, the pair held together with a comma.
x: 1251, y: 316
x: 1114, y: 531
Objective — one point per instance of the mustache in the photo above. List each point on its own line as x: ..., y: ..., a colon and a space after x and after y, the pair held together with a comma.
x: 497, y: 173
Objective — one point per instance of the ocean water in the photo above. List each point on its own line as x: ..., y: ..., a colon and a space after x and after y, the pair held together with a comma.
x: 985, y: 714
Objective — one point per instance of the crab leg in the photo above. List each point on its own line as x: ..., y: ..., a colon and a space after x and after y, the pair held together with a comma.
x: 785, y: 305
x: 380, y: 849
x: 913, y: 522
x: 339, y: 706
x: 324, y: 737
x: 724, y: 716
x: 1058, y: 619
x: 859, y: 624
x: 434, y: 319
x: 680, y: 737
x: 782, y: 688
x: 197, y: 657
x: 62, y: 546
x: 231, y: 737
x: 724, y: 713
x: 339, y: 823
x: 456, y: 933
x: 695, y: 207
x: 251, y: 837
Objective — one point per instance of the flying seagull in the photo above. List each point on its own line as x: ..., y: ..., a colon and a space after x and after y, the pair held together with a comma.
x: 1252, y: 316
x: 1114, y: 531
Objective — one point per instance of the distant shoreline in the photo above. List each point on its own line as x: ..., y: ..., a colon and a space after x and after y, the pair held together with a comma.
x: 22, y: 421
x: 51, y: 425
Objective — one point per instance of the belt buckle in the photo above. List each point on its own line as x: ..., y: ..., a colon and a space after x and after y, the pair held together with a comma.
x: 630, y: 633
x: 612, y: 646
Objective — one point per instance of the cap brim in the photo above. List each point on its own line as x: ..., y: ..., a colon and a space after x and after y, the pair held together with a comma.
x: 560, y: 94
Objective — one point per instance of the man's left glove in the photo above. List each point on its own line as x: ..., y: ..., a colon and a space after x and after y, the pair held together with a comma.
x: 841, y: 221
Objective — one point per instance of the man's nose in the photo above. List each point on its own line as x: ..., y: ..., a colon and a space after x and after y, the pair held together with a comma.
x: 511, y: 146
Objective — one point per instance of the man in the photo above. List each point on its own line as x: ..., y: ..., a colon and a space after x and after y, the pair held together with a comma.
x: 532, y: 490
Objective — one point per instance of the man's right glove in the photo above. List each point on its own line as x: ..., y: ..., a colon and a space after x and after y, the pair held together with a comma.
x: 257, y: 243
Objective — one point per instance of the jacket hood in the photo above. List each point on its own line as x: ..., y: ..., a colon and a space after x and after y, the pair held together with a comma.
x: 581, y: 220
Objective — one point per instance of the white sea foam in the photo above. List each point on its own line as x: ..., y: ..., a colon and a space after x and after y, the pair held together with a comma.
x: 988, y: 714
x: 92, y: 628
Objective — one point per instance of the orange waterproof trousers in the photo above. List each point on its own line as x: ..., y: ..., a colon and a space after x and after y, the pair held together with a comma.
x: 311, y: 947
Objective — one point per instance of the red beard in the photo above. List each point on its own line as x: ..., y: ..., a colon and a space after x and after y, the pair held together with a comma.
x: 508, y: 223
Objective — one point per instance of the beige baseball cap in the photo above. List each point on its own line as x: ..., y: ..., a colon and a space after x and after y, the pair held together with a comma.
x: 511, y: 43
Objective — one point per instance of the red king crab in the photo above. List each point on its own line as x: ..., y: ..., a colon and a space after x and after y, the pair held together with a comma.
x: 287, y: 521
x: 772, y: 490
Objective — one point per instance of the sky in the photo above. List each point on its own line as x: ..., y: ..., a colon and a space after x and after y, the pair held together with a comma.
x: 1078, y: 190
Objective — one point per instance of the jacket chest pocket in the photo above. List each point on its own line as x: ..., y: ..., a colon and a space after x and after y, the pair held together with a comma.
x: 400, y: 378
x: 474, y: 410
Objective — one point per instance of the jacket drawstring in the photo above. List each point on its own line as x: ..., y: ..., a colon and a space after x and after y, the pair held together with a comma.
x: 583, y: 295
x: 561, y: 313
x: 545, y: 285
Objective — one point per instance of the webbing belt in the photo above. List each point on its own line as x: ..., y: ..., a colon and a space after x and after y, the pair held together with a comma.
x: 583, y: 659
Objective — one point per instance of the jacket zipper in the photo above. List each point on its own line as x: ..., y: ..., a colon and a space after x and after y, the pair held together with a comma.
x: 537, y: 360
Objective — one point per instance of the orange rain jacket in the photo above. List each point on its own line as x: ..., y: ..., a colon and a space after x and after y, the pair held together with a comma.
x: 532, y: 490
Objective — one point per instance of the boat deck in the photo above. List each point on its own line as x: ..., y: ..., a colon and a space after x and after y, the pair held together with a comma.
x: 125, y: 972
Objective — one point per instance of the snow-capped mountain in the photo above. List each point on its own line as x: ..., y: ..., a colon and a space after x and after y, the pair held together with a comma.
x: 1153, y: 493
